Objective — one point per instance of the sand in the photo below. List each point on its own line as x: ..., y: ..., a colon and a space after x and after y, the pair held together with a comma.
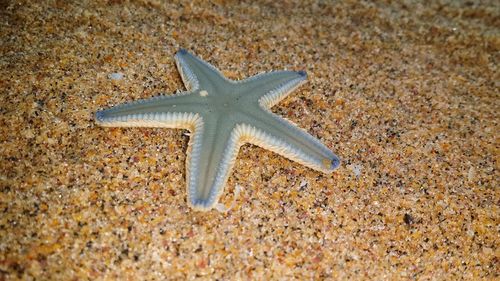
x: 406, y: 94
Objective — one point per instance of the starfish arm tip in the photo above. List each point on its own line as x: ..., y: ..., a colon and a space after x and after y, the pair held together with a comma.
x: 201, y: 204
x: 182, y: 51
x: 99, y: 116
x: 302, y: 73
x: 328, y: 165
x: 335, y: 163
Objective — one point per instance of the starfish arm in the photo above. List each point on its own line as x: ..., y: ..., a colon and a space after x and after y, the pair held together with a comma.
x: 162, y: 111
x: 283, y: 137
x: 270, y: 88
x: 196, y: 72
x: 211, y: 155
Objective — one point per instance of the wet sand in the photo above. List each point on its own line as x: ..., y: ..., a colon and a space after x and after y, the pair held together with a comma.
x: 407, y: 95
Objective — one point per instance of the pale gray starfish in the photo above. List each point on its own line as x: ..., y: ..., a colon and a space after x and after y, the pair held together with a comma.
x: 222, y: 115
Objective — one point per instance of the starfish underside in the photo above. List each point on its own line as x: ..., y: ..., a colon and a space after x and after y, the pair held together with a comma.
x: 222, y: 115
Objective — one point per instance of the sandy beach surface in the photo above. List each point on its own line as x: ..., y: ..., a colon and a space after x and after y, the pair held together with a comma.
x: 406, y: 94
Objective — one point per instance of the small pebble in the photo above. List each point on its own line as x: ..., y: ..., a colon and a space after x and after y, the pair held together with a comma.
x: 115, y: 76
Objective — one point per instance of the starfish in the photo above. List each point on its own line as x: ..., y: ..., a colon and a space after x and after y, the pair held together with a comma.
x: 222, y: 115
